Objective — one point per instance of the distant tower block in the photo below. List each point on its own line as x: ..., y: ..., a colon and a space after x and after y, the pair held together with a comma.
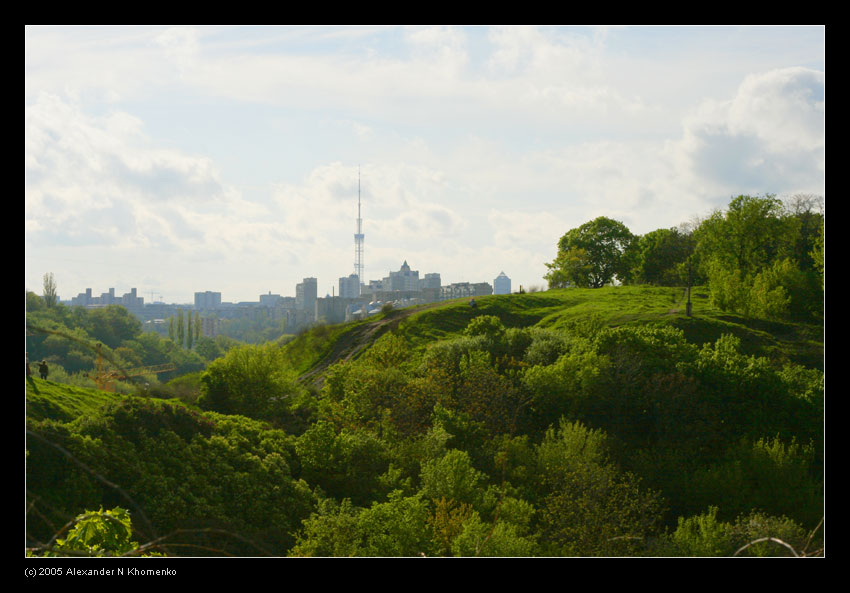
x: 502, y: 284
x: 359, y: 237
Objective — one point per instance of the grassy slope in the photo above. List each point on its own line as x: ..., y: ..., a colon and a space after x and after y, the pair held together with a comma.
x: 57, y: 401
x: 624, y: 305
x: 611, y: 306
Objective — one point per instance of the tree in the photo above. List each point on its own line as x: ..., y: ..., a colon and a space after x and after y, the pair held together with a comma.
x: 805, y: 212
x: 181, y: 328
x: 760, y: 257
x: 190, y: 330
x: 253, y: 381
x: 818, y: 252
x: 591, y: 508
x: 749, y: 235
x: 591, y: 255
x: 197, y: 326
x: 570, y: 267
x: 113, y: 324
x: 661, y: 256
x: 207, y: 348
x: 50, y: 297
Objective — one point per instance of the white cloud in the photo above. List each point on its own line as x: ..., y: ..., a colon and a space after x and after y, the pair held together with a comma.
x: 98, y: 178
x: 769, y: 137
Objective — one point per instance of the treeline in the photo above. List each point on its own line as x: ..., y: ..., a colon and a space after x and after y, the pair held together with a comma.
x: 503, y: 441
x: 760, y: 257
x: 66, y: 337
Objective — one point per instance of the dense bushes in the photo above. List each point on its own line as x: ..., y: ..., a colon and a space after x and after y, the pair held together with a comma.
x: 577, y: 441
x: 179, y: 470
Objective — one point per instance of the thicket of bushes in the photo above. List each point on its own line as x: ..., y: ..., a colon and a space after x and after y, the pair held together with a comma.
x: 624, y: 441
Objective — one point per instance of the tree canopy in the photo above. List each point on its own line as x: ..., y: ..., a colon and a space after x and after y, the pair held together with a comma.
x: 760, y: 257
x: 591, y: 255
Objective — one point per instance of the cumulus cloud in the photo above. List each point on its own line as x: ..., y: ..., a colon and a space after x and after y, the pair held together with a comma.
x: 768, y: 137
x: 98, y: 179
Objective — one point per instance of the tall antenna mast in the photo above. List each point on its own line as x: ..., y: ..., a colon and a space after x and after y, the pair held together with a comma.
x: 358, y: 238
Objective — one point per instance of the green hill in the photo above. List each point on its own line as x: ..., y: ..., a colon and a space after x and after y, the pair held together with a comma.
x: 582, y: 422
x: 315, y: 350
x: 47, y: 400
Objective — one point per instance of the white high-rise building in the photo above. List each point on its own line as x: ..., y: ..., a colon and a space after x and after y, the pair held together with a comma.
x: 502, y: 284
x: 349, y: 287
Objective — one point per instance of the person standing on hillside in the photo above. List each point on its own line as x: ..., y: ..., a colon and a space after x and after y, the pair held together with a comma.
x: 42, y: 369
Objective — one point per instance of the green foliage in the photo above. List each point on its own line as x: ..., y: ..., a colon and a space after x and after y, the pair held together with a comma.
x: 207, y: 348
x: 591, y: 509
x: 769, y: 475
x: 571, y: 267
x: 746, y: 237
x: 591, y: 255
x: 190, y: 330
x: 761, y: 261
x: 570, y: 422
x: 113, y: 324
x: 185, y: 470
x: 501, y: 538
x: 818, y: 252
x: 488, y: 326
x: 564, y: 387
x: 704, y: 535
x: 34, y: 302
x: 543, y: 347
x: 398, y: 527
x: 101, y: 533
x: 660, y: 258
x: 180, y: 328
x: 253, y: 381
x: 49, y: 295
x: 344, y: 464
x: 49, y: 400
x: 452, y: 477
x: 750, y: 528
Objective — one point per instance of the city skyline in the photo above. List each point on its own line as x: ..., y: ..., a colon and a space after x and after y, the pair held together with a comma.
x: 110, y: 295
x: 183, y: 159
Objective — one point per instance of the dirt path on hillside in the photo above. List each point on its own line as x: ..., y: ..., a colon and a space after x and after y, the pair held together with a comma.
x: 352, y: 344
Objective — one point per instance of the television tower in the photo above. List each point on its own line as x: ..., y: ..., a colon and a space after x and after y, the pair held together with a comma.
x: 358, y: 239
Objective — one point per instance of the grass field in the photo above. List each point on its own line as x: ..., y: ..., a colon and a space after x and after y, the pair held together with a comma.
x: 559, y: 309
x: 61, y: 402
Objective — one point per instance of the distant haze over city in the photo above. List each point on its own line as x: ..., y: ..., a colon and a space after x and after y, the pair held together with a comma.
x: 177, y: 160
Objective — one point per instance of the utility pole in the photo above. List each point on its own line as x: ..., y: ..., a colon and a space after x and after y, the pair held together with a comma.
x: 688, y: 306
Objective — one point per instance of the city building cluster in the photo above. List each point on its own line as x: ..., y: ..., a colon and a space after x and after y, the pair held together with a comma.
x: 130, y: 300
x: 355, y: 299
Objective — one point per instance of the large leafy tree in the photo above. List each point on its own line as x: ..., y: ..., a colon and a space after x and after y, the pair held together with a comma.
x: 758, y: 257
x: 661, y: 256
x: 591, y: 255
x: 750, y: 234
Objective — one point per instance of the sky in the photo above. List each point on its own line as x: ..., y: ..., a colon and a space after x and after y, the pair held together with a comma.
x: 177, y: 160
